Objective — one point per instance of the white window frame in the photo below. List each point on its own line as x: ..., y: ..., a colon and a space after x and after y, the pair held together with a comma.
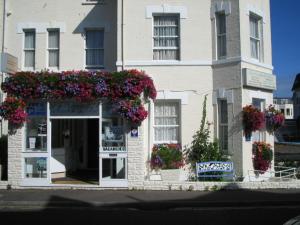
x: 55, y: 68
x: 179, y: 125
x: 259, y: 39
x: 94, y: 67
x: 178, y: 37
x: 28, y: 49
x: 217, y: 14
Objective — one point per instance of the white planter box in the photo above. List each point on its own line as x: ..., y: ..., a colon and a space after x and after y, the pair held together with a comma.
x: 170, y: 175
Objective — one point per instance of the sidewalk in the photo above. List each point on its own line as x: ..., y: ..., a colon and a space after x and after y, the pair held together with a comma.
x: 146, y: 200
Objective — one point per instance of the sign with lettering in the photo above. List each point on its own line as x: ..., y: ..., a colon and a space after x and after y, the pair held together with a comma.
x: 114, y: 149
x: 37, y: 109
x: 74, y: 109
x: 8, y: 63
x: 253, y: 78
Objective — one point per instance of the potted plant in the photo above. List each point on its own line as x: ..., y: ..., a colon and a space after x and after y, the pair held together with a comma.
x: 262, y: 156
x: 274, y: 119
x: 253, y: 120
x: 167, y: 158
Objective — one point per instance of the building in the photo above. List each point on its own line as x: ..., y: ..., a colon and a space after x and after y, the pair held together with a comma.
x: 220, y: 49
x: 285, y: 106
x: 296, y: 96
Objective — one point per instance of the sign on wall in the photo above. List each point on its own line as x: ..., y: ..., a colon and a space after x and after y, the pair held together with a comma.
x: 8, y: 63
x: 257, y: 79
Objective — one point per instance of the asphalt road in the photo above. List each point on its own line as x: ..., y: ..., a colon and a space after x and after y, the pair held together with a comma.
x: 140, y: 207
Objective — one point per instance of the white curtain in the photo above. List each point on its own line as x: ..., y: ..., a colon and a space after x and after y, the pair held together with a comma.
x: 166, y: 122
x: 166, y: 35
x: 29, y: 49
x: 94, y: 48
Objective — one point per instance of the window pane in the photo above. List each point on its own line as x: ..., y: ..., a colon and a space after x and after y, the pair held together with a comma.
x: 36, y: 134
x: 94, y: 57
x: 35, y: 167
x: 53, y: 58
x: 166, y: 34
x: 224, y: 111
x: 29, y: 58
x: 221, y: 46
x: 53, y: 39
x: 221, y: 23
x: 165, y: 55
x: 29, y: 40
x: 113, y: 168
x: 166, y: 116
x: 254, y: 27
x: 94, y: 39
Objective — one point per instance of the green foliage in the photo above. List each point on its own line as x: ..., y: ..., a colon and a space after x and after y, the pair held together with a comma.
x: 202, y: 149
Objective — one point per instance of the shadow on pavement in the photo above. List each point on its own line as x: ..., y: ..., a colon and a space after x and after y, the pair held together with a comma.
x: 215, y: 207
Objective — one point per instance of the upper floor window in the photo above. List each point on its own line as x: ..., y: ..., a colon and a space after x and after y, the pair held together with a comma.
x: 166, y: 37
x: 29, y: 49
x: 256, y: 37
x: 166, y: 122
x: 94, y: 49
x: 221, y: 34
x: 53, y: 48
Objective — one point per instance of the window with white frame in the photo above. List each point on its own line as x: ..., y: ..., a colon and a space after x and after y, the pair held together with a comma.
x: 53, y: 48
x: 166, y: 122
x: 94, y: 48
x: 221, y: 34
x: 29, y: 49
x: 256, y: 36
x: 166, y: 37
x: 223, y: 125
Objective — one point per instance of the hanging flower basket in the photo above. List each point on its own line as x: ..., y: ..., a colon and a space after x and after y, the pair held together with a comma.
x: 274, y: 119
x: 126, y: 90
x: 253, y: 120
x: 262, y: 156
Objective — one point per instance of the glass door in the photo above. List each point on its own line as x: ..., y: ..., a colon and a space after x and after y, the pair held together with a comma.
x: 35, y: 155
x: 113, y: 151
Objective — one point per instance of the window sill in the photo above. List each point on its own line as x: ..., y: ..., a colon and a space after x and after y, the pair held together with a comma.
x: 101, y: 2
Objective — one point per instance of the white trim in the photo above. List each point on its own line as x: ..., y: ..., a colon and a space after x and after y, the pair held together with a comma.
x: 165, y: 63
x: 219, y: 7
x: 172, y: 95
x: 253, y: 9
x: 165, y: 8
x: 195, y: 62
x: 41, y: 27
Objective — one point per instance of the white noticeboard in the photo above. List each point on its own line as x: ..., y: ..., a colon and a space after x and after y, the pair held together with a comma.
x: 8, y: 63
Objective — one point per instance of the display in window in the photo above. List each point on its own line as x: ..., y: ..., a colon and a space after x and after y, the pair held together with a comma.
x: 36, y: 167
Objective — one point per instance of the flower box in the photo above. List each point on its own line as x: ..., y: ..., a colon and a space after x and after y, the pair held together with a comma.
x: 170, y: 175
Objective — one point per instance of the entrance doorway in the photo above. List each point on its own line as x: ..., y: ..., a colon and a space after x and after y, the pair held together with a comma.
x: 75, y: 151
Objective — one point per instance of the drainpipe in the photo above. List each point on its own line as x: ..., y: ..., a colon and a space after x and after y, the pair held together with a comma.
x: 122, y: 33
x: 2, y: 50
x: 4, y: 23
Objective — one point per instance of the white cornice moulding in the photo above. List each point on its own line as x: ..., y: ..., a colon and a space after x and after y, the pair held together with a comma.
x: 173, y: 95
x: 41, y: 27
x: 237, y: 59
x: 165, y: 63
x: 219, y: 7
x: 165, y: 8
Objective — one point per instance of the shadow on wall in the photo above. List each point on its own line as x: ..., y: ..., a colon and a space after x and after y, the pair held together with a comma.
x: 3, y: 158
x: 103, y: 17
x: 150, y: 207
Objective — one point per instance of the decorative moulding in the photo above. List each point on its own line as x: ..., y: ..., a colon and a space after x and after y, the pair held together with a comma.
x: 173, y: 95
x: 257, y: 11
x: 165, y: 8
x: 219, y: 7
x: 41, y: 27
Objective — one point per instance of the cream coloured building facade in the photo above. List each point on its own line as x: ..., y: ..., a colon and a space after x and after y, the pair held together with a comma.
x: 220, y: 49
